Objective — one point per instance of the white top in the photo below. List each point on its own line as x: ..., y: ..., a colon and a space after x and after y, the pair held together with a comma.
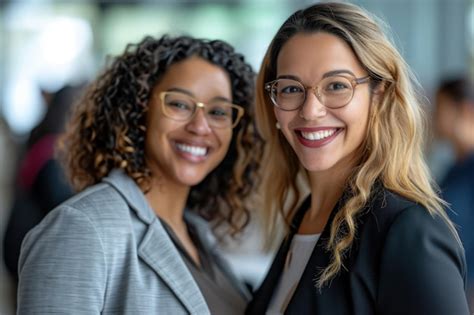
x: 297, y: 258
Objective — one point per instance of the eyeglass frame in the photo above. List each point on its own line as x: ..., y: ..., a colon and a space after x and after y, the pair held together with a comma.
x: 353, y: 80
x: 162, y: 95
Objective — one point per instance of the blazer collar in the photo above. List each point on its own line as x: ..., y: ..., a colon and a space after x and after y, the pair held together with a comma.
x: 157, y: 249
x: 159, y: 252
x: 319, y: 257
x: 263, y: 295
x: 133, y: 195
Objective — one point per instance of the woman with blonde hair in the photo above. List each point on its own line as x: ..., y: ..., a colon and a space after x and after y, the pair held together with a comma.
x: 336, y: 104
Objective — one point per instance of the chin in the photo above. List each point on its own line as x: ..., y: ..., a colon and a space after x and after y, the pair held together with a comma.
x: 316, y: 169
x: 191, y: 180
x: 194, y: 183
x: 317, y: 166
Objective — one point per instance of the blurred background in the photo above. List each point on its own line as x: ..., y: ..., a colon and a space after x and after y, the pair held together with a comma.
x: 46, y: 45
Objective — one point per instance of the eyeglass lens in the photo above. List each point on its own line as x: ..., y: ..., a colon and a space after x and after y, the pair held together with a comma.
x: 333, y: 92
x: 180, y: 106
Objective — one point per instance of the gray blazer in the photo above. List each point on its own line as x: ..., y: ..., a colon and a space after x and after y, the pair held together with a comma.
x: 105, y: 251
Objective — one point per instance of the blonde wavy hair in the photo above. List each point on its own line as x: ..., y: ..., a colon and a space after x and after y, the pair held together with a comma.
x: 392, y: 150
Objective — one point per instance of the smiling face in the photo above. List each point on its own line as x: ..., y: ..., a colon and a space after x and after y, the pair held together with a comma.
x: 323, y: 138
x: 185, y: 152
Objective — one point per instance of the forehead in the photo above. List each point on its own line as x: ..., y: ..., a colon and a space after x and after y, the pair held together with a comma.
x: 198, y: 76
x: 310, y: 56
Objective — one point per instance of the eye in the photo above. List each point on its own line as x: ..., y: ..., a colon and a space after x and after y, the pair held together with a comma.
x: 337, y: 85
x: 220, y: 111
x: 291, y: 89
x: 177, y: 104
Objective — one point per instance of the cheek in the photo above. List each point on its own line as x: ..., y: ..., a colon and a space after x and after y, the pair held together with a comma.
x: 157, y: 133
x: 160, y: 126
x: 224, y: 137
x: 357, y: 122
x: 284, y: 119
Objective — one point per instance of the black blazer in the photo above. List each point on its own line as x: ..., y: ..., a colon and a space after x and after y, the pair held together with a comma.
x: 403, y: 261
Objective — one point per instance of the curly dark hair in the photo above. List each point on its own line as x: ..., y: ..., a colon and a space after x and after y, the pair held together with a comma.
x: 107, y: 129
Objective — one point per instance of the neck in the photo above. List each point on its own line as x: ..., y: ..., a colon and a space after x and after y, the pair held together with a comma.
x: 325, y: 192
x: 168, y: 201
x: 327, y: 188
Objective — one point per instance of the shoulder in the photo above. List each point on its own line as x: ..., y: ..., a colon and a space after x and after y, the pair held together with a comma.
x: 100, y: 203
x: 99, y: 208
x: 63, y: 261
x: 410, y: 257
x: 406, y: 233
x: 101, y: 195
x: 413, y: 228
x: 420, y: 259
x: 388, y: 210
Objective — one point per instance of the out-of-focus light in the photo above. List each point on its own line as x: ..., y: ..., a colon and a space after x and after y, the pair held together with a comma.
x: 25, y: 103
x: 58, y: 51
x: 64, y: 48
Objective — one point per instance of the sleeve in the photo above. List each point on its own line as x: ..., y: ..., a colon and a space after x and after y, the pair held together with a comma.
x: 62, y: 267
x: 423, y: 268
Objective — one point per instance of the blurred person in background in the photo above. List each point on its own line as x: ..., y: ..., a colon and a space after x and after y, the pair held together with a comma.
x: 337, y: 105
x: 454, y: 122
x: 162, y: 142
x: 40, y: 183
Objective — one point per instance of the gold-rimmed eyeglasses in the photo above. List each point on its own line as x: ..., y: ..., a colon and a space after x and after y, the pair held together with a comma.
x: 333, y: 91
x: 182, y: 107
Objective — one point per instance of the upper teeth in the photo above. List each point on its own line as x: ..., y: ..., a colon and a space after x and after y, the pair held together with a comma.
x: 199, y: 151
x: 318, y: 135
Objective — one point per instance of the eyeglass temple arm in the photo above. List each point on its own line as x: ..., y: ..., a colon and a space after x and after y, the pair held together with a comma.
x: 362, y: 80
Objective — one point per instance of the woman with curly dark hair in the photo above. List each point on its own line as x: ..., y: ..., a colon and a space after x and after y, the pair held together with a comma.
x: 164, y: 134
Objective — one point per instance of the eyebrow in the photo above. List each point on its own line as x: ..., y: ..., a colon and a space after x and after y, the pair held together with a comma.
x: 184, y: 91
x: 337, y: 72
x: 325, y: 75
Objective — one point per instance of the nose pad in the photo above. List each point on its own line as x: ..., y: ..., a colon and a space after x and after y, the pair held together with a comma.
x: 312, y: 107
x: 199, y: 123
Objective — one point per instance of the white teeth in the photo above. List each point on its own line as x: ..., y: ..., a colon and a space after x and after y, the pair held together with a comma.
x: 197, y: 151
x: 318, y: 135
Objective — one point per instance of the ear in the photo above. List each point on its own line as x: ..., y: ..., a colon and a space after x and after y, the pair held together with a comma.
x: 275, y: 111
x: 378, y: 90
x: 378, y: 87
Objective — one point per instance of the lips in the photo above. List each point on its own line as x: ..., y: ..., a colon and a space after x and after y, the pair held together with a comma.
x: 317, y: 137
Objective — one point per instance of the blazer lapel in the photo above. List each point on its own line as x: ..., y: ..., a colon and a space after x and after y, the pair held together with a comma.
x: 319, y: 259
x: 159, y: 252
x: 262, y: 296
x: 157, y: 249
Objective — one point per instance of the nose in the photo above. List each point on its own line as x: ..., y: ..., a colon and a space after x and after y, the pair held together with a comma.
x: 198, y: 123
x: 312, y: 107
